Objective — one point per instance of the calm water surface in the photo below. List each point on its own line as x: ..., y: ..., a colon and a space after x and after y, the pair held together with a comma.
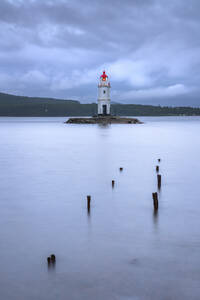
x: 121, y: 250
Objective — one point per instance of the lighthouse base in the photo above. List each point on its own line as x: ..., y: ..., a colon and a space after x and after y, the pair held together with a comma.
x: 100, y: 119
x: 103, y: 115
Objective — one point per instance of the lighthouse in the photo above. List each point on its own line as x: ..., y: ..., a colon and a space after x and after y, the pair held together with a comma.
x: 104, y: 95
x: 104, y: 116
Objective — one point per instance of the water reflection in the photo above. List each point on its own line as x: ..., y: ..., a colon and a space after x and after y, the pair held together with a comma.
x: 155, y: 217
x: 104, y: 125
x: 88, y: 213
x: 51, y: 266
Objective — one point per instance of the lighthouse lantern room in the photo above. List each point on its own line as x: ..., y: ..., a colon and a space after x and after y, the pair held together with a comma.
x: 104, y: 95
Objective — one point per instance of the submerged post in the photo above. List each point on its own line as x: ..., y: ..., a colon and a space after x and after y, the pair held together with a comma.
x: 53, y: 258
x: 159, y: 180
x: 113, y: 183
x: 88, y: 202
x: 121, y: 169
x: 159, y: 160
x: 157, y: 169
x: 155, y: 201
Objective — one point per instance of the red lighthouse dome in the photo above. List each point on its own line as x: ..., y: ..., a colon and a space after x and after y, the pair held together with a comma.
x: 104, y: 76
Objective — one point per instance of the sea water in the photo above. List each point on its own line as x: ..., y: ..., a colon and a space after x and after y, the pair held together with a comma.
x: 121, y: 249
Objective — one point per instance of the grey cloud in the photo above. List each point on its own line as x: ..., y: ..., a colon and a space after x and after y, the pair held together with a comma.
x: 58, y: 48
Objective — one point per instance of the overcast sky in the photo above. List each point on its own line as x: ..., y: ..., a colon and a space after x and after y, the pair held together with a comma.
x: 58, y: 48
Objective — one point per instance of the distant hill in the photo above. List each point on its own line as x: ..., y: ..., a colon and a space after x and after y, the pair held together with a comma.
x: 29, y: 106
x: 11, y: 105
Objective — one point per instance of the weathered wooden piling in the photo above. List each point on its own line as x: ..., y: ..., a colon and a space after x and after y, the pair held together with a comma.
x: 155, y: 200
x: 88, y: 202
x: 53, y: 258
x: 159, y: 180
x: 157, y: 169
x: 121, y: 169
x: 159, y: 160
x: 48, y: 260
x: 113, y: 183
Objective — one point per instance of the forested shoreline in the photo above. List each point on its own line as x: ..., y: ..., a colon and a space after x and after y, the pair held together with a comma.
x: 11, y: 105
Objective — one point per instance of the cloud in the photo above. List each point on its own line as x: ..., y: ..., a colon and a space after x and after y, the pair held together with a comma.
x: 158, y: 92
x: 59, y: 48
x: 35, y: 77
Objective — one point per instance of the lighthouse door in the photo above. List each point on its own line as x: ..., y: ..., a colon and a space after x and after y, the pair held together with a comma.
x: 104, y: 110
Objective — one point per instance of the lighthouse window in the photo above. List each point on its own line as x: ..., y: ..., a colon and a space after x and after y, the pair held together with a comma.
x: 104, y: 91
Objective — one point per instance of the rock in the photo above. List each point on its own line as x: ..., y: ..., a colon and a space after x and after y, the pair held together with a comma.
x: 104, y: 120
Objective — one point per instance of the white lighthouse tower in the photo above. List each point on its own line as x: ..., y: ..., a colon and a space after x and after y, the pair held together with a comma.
x: 104, y: 95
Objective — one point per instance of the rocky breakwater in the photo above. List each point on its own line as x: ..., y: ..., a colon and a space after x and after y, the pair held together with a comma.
x: 103, y: 120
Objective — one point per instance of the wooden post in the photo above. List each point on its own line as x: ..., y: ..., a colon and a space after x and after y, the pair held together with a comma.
x: 53, y: 258
x: 121, y: 169
x: 48, y: 260
x: 113, y: 183
x: 157, y: 169
x: 88, y: 202
x: 159, y: 180
x: 159, y: 160
x: 155, y: 200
